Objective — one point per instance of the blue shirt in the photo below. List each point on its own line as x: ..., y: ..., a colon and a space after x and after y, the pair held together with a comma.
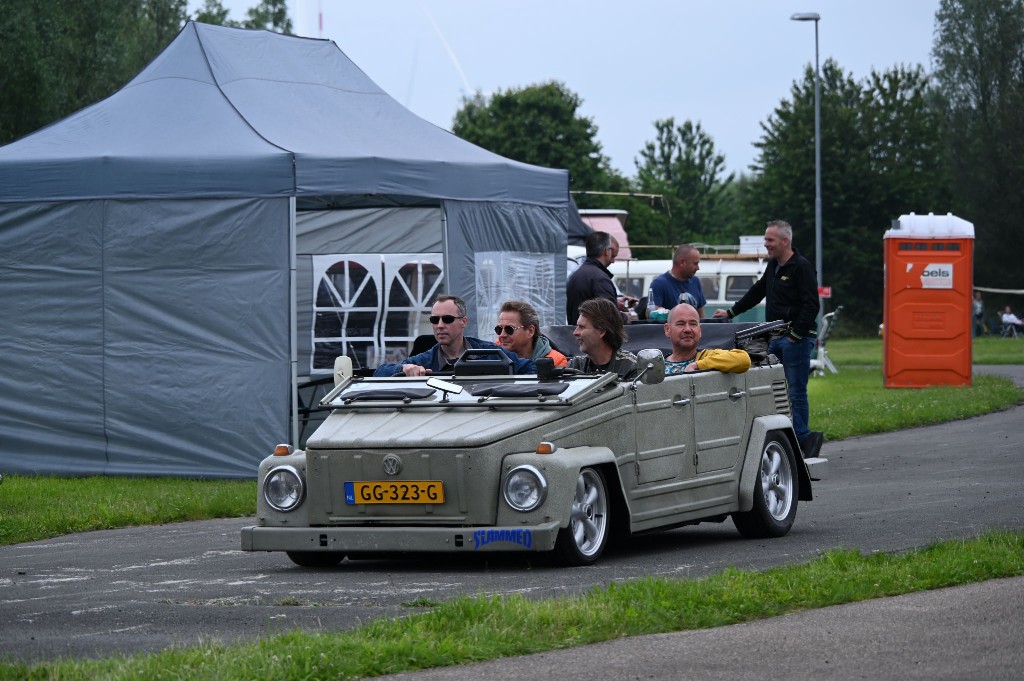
x: 669, y: 291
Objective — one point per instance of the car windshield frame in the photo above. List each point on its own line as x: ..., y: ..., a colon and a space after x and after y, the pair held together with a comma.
x: 480, y: 392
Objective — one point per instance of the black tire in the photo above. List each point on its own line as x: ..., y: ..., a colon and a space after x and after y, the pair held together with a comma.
x: 583, y: 541
x: 776, y: 492
x: 315, y: 559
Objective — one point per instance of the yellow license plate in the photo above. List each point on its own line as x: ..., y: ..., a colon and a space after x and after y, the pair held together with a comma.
x: 394, y: 492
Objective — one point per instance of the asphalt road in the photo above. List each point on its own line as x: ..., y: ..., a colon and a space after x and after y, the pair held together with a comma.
x: 145, y: 589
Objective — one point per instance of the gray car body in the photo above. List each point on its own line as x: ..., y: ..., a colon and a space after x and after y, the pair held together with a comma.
x: 680, y: 451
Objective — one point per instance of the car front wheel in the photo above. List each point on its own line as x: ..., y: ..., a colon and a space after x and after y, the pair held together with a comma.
x: 775, y: 492
x: 583, y: 541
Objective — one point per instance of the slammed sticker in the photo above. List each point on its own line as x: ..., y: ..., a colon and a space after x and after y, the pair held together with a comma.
x: 520, y: 537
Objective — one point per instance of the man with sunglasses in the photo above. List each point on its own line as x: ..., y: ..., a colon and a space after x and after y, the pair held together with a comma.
x: 448, y: 317
x: 518, y: 331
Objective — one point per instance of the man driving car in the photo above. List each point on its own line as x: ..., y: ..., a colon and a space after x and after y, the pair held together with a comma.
x: 448, y: 318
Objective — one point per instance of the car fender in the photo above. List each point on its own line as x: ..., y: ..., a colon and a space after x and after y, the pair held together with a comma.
x: 759, y: 430
x: 560, y: 470
x: 270, y: 517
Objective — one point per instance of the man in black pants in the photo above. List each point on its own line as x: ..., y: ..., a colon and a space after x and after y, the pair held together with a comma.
x: 789, y: 288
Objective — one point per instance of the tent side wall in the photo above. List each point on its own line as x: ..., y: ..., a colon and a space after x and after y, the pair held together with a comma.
x: 147, y: 337
x: 51, y: 346
x: 498, y: 251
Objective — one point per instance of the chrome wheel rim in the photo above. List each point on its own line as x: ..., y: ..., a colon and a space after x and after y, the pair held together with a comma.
x: 589, y: 514
x: 776, y: 481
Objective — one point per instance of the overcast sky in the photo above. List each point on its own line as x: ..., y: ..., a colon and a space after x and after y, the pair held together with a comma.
x: 724, y: 63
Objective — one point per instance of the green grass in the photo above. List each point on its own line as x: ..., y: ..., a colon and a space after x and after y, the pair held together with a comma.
x: 470, y: 629
x: 868, y: 351
x: 855, y: 402
x: 33, y: 508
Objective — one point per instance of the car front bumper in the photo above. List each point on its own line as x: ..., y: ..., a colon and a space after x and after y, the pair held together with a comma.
x: 400, y: 539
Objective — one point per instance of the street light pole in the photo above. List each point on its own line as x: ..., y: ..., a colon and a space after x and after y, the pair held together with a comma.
x: 815, y: 17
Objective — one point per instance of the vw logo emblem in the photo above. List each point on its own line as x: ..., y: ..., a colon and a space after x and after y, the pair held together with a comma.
x: 392, y: 464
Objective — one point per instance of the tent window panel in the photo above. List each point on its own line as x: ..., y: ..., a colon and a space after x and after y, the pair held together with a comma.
x: 503, y: 275
x: 414, y: 285
x: 347, y: 284
x: 360, y: 351
x: 329, y: 324
x: 410, y: 324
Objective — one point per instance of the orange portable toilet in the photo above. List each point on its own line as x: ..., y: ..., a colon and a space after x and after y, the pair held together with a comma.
x: 929, y: 275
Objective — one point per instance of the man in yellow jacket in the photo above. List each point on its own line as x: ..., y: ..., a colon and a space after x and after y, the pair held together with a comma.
x: 683, y: 330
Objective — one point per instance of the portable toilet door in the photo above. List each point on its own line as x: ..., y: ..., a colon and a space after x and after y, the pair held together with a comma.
x: 929, y: 275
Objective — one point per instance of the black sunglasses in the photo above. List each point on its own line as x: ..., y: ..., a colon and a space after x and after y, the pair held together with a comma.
x: 508, y: 329
x: 446, y: 318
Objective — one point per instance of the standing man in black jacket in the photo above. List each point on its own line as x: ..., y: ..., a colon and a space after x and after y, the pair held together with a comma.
x: 592, y: 279
x: 789, y: 288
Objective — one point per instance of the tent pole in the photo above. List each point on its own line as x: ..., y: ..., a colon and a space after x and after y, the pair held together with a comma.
x: 444, y: 249
x: 293, y: 321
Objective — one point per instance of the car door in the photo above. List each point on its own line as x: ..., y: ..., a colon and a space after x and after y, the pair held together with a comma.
x: 664, y: 431
x: 719, y: 409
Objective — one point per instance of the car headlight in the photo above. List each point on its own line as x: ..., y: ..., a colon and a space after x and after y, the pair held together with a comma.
x: 525, y: 488
x: 283, y: 488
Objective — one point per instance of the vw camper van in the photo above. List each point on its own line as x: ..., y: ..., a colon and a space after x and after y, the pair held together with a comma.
x: 724, y: 276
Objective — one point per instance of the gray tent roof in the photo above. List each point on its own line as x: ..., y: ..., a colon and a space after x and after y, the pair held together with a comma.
x: 234, y: 113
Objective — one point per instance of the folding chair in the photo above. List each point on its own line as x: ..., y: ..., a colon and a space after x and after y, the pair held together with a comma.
x: 820, y: 361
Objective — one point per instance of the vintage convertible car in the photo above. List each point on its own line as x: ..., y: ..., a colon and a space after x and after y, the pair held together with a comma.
x: 485, y: 461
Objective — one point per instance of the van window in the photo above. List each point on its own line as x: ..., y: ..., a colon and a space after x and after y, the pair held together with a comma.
x: 631, y: 286
x: 710, y: 287
x: 737, y: 285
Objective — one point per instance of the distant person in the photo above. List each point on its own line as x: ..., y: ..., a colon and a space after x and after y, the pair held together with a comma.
x: 518, y: 331
x: 681, y: 283
x: 789, y: 288
x: 683, y: 331
x: 592, y: 279
x: 1010, y: 319
x: 448, y: 317
x: 600, y: 334
x: 978, y: 312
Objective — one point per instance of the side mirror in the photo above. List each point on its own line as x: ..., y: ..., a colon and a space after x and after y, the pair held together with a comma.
x: 342, y: 369
x: 651, y: 364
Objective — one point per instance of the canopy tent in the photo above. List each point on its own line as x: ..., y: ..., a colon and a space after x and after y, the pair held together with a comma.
x: 173, y: 258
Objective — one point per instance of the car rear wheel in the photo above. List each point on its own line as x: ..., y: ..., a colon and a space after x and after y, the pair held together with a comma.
x: 583, y: 541
x: 775, y: 492
x: 315, y: 559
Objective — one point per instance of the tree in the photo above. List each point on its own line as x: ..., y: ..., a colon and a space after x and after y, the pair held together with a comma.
x: 60, y: 57
x: 979, y: 76
x: 540, y: 125
x: 881, y: 157
x: 682, y: 164
x: 213, y: 12
x: 271, y: 15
